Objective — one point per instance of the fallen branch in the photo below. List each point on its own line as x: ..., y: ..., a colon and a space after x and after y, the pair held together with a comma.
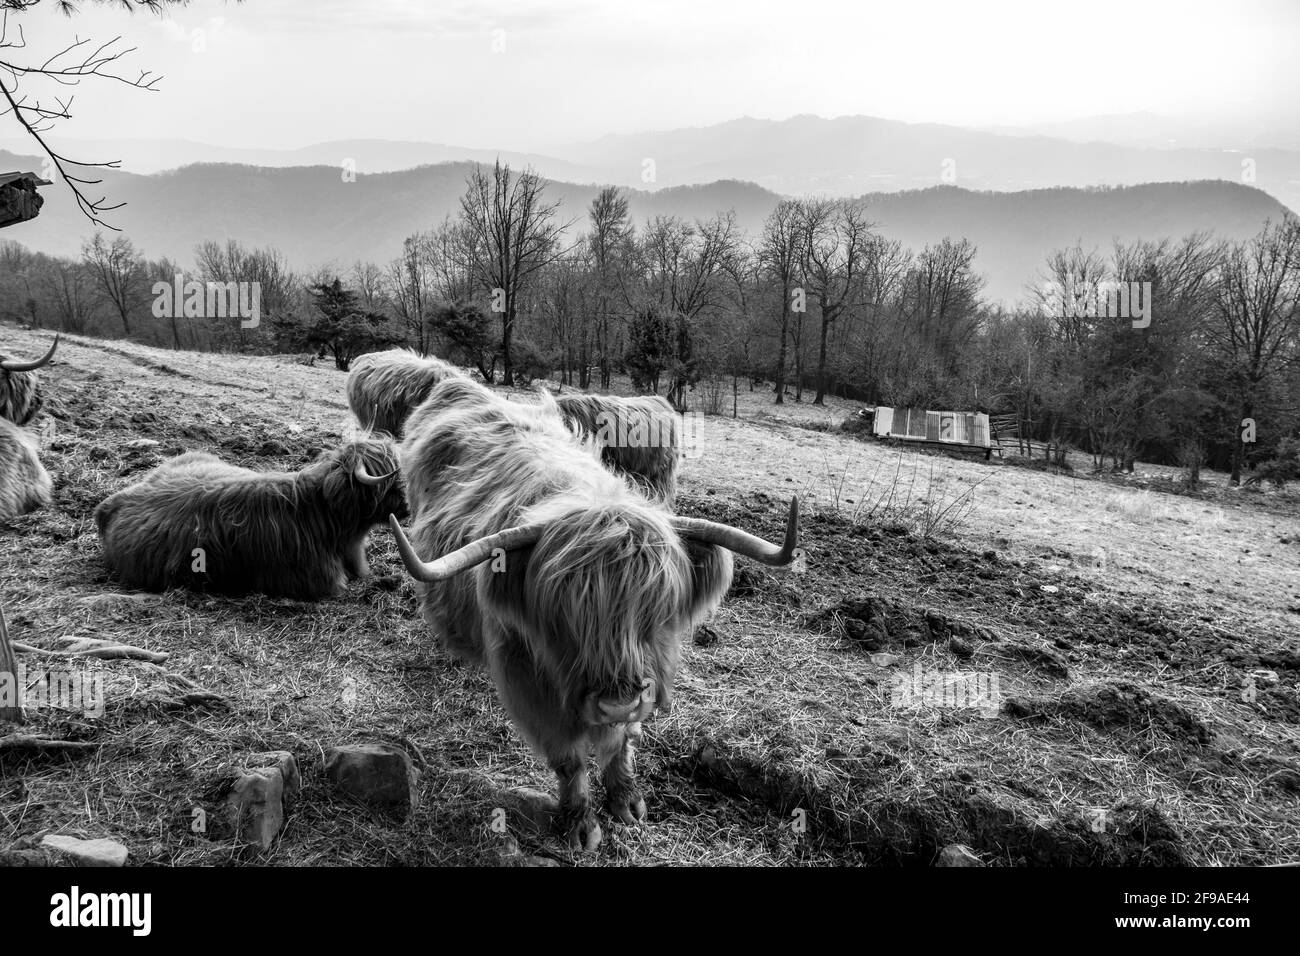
x: 28, y: 742
x: 88, y: 647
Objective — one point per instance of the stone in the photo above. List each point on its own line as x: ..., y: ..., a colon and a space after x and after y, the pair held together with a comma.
x: 105, y: 853
x: 256, y: 806
x: 955, y: 854
x: 379, y: 776
x: 283, y: 761
x: 531, y: 808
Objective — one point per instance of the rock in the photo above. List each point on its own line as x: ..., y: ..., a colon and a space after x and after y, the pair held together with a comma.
x: 256, y: 806
x: 380, y: 776
x: 283, y: 761
x: 106, y: 853
x: 531, y: 808
x: 955, y: 854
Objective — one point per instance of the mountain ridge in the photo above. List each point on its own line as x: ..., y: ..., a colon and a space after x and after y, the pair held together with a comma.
x: 315, y: 217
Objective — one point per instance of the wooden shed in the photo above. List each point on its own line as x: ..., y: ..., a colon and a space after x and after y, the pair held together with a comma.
x: 919, y: 424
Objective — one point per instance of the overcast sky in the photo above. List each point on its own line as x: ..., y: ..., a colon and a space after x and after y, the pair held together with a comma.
x: 522, y: 75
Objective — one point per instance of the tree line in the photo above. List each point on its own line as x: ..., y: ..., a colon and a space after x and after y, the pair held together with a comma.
x: 819, y: 303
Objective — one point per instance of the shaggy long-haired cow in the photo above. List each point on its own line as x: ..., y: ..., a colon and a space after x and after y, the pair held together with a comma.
x: 637, y: 437
x: 20, y: 393
x: 198, y: 522
x: 24, y: 483
x: 385, y: 387
x: 572, y: 587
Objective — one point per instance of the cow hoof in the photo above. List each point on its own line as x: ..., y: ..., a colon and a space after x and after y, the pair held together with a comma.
x: 629, y: 808
x: 585, y: 835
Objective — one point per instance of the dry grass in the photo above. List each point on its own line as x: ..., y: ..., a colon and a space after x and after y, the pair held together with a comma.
x: 784, y: 746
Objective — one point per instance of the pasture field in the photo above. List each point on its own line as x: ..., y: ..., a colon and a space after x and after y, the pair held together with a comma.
x: 1142, y: 647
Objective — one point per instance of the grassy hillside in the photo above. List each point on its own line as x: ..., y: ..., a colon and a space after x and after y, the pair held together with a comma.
x: 1123, y: 735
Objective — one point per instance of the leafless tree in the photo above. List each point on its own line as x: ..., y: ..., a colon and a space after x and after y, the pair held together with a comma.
x: 29, y: 91
x: 116, y: 269
x: 1258, y: 307
x: 835, y: 236
x: 779, y: 254
x: 510, y: 234
x: 607, y: 240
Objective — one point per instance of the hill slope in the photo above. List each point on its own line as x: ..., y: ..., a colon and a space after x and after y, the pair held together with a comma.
x: 1118, y: 731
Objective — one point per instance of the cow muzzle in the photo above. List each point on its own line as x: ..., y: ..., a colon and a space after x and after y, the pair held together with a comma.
x: 599, y: 710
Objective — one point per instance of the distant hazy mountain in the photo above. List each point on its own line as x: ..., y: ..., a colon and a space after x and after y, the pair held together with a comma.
x: 1153, y: 131
x: 314, y: 217
x: 851, y: 155
x: 145, y: 156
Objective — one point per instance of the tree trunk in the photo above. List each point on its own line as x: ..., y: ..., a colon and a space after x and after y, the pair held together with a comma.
x: 507, y: 335
x: 827, y: 319
x: 1239, y: 446
x: 781, y: 353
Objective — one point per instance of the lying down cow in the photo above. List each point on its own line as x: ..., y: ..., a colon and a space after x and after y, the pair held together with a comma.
x: 198, y: 522
x: 573, y: 588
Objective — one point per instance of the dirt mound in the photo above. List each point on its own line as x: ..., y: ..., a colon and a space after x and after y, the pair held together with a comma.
x: 1117, y: 705
x: 875, y: 623
x: 864, y: 817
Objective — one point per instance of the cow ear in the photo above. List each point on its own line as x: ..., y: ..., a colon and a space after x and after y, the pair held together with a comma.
x: 711, y: 569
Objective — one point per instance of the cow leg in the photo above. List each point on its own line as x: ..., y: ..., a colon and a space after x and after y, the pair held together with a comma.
x: 536, y: 707
x: 354, y: 558
x: 577, y: 818
x: 623, y: 797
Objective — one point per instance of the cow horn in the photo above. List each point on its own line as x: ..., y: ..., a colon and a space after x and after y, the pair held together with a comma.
x: 462, y: 559
x: 742, y: 542
x: 366, y: 478
x: 31, y: 366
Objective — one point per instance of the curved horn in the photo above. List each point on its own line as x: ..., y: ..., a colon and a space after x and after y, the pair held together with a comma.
x: 366, y: 478
x: 742, y: 542
x: 31, y: 366
x: 462, y: 559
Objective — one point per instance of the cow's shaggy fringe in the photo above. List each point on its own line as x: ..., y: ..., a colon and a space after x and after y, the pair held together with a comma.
x: 638, y: 437
x: 293, y: 534
x: 24, y: 483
